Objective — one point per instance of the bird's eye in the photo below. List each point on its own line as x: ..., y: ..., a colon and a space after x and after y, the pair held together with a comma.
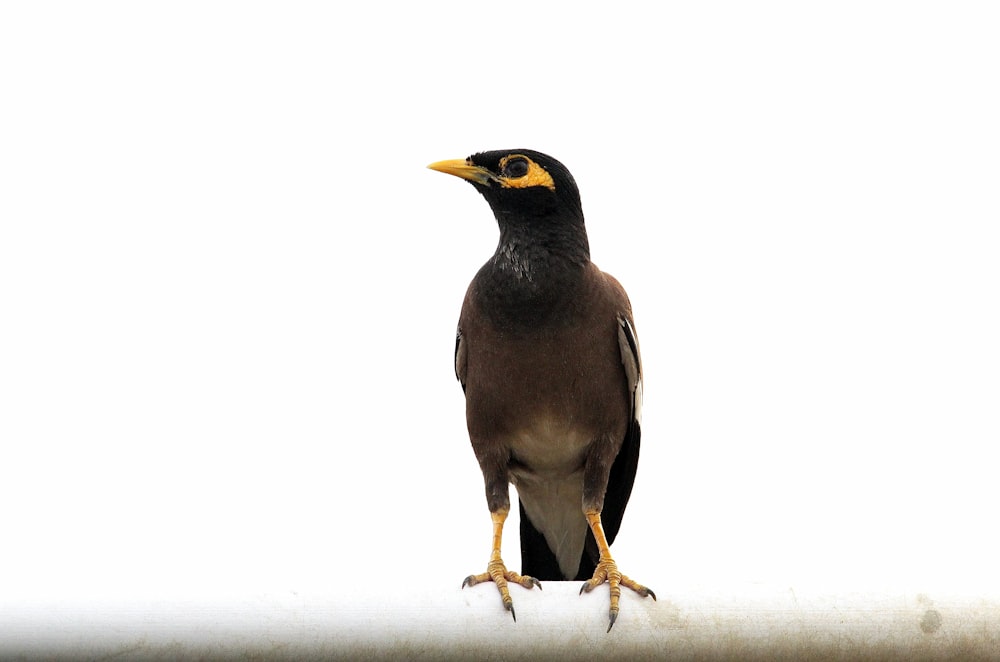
x: 516, y: 168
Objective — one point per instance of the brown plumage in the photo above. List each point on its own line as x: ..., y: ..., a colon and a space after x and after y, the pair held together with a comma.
x: 548, y: 357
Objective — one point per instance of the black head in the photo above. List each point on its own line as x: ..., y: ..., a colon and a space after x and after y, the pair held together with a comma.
x: 521, y: 185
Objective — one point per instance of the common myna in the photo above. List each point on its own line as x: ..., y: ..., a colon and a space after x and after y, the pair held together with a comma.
x: 547, y: 356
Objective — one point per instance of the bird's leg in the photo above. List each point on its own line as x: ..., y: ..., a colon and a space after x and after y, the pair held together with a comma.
x: 497, y: 572
x: 607, y: 570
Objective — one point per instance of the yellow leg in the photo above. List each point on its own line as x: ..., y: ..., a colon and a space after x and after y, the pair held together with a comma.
x: 607, y: 571
x: 497, y: 572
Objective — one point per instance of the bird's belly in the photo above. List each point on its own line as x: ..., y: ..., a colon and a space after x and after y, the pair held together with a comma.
x: 548, y: 449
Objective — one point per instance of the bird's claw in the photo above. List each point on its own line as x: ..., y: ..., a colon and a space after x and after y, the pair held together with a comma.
x: 497, y: 573
x: 607, y: 571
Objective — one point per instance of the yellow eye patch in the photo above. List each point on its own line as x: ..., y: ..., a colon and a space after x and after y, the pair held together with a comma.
x: 536, y: 175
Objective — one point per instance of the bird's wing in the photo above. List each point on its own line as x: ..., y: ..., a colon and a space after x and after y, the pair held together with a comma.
x: 460, y: 358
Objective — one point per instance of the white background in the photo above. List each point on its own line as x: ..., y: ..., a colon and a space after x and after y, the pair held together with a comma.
x: 229, y: 286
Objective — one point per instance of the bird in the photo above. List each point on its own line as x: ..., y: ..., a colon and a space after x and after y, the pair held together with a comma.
x: 548, y: 358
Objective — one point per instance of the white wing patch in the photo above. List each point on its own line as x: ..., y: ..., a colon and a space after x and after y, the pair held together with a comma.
x: 629, y: 347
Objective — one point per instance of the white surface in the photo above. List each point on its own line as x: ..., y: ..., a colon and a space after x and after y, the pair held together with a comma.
x: 761, y: 622
x: 228, y: 287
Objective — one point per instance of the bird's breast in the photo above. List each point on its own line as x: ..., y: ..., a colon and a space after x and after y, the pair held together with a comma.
x: 544, y: 396
x: 543, y: 382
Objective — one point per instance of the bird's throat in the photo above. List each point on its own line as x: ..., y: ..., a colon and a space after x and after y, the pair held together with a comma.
x: 516, y: 261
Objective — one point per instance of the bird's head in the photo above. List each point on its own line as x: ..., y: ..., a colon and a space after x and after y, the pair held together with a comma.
x: 521, y: 185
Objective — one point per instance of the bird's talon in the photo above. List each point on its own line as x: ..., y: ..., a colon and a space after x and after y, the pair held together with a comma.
x: 472, y: 580
x: 607, y: 571
x: 497, y: 573
x: 651, y: 594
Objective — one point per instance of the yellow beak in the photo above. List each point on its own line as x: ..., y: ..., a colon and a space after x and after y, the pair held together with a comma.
x: 465, y: 170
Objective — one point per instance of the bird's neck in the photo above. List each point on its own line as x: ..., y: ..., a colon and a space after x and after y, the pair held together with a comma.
x: 535, y: 252
x: 534, y: 273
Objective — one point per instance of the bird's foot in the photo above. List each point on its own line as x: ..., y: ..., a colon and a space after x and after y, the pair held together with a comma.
x: 498, y: 573
x: 607, y: 571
